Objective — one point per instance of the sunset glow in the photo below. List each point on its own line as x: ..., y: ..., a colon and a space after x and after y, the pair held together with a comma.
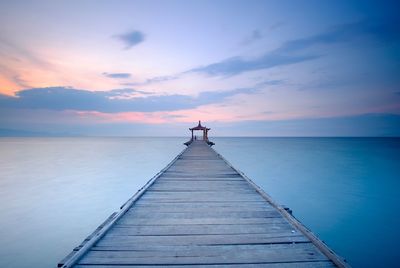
x: 174, y: 62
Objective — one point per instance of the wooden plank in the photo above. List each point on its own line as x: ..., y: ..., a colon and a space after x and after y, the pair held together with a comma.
x: 202, y: 188
x: 210, y: 250
x: 209, y: 221
x: 195, y: 248
x: 220, y: 255
x: 198, y: 197
x: 202, y: 183
x: 183, y: 178
x: 188, y: 190
x: 204, y: 214
x: 198, y: 229
x: 205, y: 204
x: 173, y: 199
x: 208, y: 239
x: 314, y: 264
x: 199, y: 207
x: 205, y: 175
x: 169, y: 221
x: 206, y: 196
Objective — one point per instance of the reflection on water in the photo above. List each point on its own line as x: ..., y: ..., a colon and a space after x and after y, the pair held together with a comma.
x: 56, y: 191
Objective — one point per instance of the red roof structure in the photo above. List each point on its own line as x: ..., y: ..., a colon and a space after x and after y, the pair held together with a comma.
x: 199, y: 127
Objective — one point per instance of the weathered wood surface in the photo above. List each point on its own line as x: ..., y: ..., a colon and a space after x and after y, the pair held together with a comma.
x: 200, y: 211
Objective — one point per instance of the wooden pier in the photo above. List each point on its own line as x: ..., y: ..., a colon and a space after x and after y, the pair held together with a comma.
x: 200, y: 211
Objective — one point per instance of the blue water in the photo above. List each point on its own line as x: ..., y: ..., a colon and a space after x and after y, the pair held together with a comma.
x: 55, y: 191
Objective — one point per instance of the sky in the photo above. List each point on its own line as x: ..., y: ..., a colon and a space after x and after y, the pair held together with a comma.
x: 244, y: 68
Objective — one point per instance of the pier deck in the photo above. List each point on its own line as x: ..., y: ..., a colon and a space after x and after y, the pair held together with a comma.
x: 200, y: 211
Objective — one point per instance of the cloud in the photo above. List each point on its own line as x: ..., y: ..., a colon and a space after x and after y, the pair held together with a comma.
x: 383, y: 31
x: 156, y: 79
x: 292, y: 51
x: 256, y: 34
x: 270, y: 83
x: 117, y: 75
x: 253, y: 37
x: 114, y: 101
x: 238, y: 65
x: 15, y: 52
x: 277, y: 25
x: 15, y: 59
x: 131, y: 39
x: 20, y: 81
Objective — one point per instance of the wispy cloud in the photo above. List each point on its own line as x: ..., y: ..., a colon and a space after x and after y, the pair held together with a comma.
x: 17, y: 79
x: 131, y: 39
x: 270, y: 83
x: 293, y: 51
x: 19, y: 53
x: 114, y: 101
x: 117, y: 75
x: 156, y: 79
x: 381, y: 31
x: 277, y: 25
x: 238, y: 65
x: 164, y: 78
x: 253, y: 37
x: 15, y: 58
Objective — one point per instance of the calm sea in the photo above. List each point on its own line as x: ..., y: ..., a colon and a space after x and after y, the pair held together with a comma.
x: 56, y: 191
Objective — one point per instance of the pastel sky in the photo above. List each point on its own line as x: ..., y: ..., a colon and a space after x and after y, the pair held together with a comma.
x: 254, y: 68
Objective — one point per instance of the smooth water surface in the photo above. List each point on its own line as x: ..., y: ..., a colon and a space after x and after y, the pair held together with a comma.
x: 56, y: 191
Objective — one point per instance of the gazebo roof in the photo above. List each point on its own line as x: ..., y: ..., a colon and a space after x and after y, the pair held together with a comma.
x: 199, y: 127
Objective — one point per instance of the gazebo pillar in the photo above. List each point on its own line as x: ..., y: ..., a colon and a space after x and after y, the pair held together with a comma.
x: 192, y: 133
